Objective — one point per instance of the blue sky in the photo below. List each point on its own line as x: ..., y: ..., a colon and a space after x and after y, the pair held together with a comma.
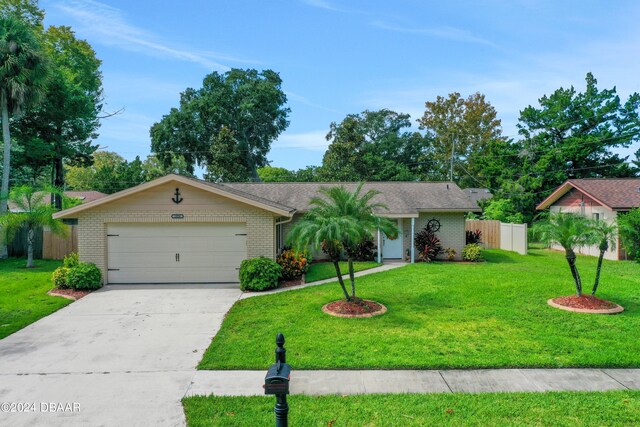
x: 337, y: 57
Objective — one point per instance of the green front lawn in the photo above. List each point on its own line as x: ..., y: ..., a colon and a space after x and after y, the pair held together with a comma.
x: 443, y: 315
x: 326, y: 270
x: 23, y: 294
x: 619, y: 408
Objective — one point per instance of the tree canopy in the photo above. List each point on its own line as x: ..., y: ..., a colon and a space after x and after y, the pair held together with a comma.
x: 245, y: 106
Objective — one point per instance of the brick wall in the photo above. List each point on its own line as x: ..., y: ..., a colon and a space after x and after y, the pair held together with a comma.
x: 451, y: 233
x: 92, y: 229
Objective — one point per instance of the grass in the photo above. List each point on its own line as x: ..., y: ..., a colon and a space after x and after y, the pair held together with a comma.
x: 618, y: 408
x: 326, y: 270
x: 23, y: 294
x: 444, y: 315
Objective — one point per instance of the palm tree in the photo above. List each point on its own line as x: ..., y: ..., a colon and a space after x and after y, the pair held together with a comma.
x: 605, y: 235
x: 23, y: 78
x: 33, y: 211
x: 569, y: 231
x: 349, y: 217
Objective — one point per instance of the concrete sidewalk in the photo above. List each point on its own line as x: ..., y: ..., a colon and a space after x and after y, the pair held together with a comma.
x: 247, y: 383
x: 388, y: 265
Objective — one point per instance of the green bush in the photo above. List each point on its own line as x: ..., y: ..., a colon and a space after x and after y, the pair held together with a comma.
x: 259, y: 274
x: 629, y: 227
x: 84, y: 276
x: 59, y: 277
x: 71, y: 260
x: 294, y: 264
x: 472, y: 252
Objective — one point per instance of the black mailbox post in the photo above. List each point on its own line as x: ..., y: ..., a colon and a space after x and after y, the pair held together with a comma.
x: 276, y: 382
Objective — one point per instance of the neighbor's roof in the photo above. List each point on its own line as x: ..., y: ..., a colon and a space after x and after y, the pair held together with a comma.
x: 614, y: 193
x: 402, y: 198
x: 477, y: 194
x: 84, y: 196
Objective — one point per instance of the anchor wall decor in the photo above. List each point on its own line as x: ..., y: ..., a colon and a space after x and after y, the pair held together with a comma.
x: 177, y: 199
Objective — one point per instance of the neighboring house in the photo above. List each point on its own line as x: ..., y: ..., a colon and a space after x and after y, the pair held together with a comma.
x: 478, y: 194
x: 84, y: 196
x: 183, y: 230
x: 597, y: 198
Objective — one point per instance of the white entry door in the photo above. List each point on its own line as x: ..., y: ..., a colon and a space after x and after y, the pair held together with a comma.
x: 392, y: 249
x: 175, y: 253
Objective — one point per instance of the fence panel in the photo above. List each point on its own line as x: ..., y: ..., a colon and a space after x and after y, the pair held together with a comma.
x: 57, y: 247
x: 18, y: 246
x: 513, y: 237
x: 490, y: 231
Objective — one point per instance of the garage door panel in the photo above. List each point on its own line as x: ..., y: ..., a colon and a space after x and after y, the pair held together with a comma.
x: 146, y: 253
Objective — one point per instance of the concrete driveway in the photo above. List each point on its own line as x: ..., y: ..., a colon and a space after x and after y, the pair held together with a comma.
x: 124, y: 355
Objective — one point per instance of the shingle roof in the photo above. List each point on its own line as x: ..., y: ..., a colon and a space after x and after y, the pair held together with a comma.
x: 84, y: 196
x: 400, y: 197
x: 616, y: 193
x: 477, y: 194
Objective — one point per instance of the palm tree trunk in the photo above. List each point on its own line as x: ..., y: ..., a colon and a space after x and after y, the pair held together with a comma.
x: 30, y: 239
x: 352, y: 278
x: 6, y: 164
x: 597, y: 281
x: 571, y: 259
x: 336, y: 264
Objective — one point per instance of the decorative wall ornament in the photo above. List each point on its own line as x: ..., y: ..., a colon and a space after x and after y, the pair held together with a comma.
x: 434, y: 225
x: 177, y: 199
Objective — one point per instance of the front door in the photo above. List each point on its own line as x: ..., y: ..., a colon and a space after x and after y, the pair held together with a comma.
x: 392, y: 249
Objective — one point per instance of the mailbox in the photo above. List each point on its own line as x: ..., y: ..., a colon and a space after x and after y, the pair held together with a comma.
x: 277, y: 379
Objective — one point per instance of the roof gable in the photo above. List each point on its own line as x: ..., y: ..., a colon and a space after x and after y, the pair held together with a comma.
x: 614, y: 193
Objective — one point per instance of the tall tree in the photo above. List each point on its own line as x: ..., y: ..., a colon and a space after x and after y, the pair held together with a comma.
x: 461, y: 129
x: 26, y: 10
x: 227, y: 162
x: 23, y: 78
x: 109, y: 174
x: 274, y: 174
x: 62, y: 127
x: 249, y: 103
x: 375, y: 146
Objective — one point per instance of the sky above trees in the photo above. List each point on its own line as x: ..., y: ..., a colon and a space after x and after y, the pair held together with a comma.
x: 337, y: 57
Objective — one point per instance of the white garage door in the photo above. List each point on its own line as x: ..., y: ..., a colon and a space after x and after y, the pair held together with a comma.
x: 175, y: 253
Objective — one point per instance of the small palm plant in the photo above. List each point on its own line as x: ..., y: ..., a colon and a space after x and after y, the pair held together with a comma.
x: 33, y: 211
x: 569, y: 231
x: 341, y: 220
x: 605, y: 235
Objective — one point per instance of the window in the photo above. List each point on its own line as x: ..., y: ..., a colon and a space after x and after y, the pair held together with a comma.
x: 596, y: 216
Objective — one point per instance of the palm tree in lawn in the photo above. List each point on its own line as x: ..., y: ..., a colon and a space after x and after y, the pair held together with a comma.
x: 23, y: 78
x: 569, y: 231
x: 605, y: 235
x: 33, y: 210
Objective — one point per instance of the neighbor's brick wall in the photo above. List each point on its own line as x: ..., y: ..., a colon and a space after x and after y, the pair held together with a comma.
x: 451, y: 234
x: 92, y: 229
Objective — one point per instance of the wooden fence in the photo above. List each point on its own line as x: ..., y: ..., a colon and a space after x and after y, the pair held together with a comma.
x: 497, y: 235
x: 57, y: 247
x: 490, y: 231
x: 18, y: 246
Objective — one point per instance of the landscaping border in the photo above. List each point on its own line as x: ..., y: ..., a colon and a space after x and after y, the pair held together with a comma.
x: 615, y: 310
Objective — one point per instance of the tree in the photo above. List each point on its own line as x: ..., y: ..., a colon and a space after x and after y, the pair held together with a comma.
x: 23, y: 78
x: 605, y: 235
x: 502, y: 210
x: 460, y: 129
x: 629, y: 228
x: 227, y: 162
x: 375, y: 146
x: 34, y: 211
x: 27, y: 11
x: 248, y: 103
x: 109, y: 174
x: 154, y: 168
x: 569, y: 231
x: 572, y: 135
x: 274, y: 174
x: 62, y: 127
x: 340, y: 219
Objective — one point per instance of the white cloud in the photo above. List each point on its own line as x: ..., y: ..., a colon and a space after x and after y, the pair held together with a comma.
x: 314, y: 140
x: 291, y: 96
x: 443, y: 32
x: 108, y: 25
x: 322, y: 4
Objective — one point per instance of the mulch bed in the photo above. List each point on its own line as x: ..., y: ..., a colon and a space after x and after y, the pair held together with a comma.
x: 585, y: 304
x: 68, y: 293
x: 290, y: 283
x: 354, y: 308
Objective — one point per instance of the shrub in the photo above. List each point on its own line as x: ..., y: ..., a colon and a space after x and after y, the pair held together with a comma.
x: 451, y: 253
x: 259, y: 274
x: 629, y: 228
x: 473, y: 237
x: 428, y: 244
x: 84, y: 276
x: 59, y: 277
x: 71, y: 260
x: 472, y: 252
x: 365, y: 251
x: 294, y: 264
